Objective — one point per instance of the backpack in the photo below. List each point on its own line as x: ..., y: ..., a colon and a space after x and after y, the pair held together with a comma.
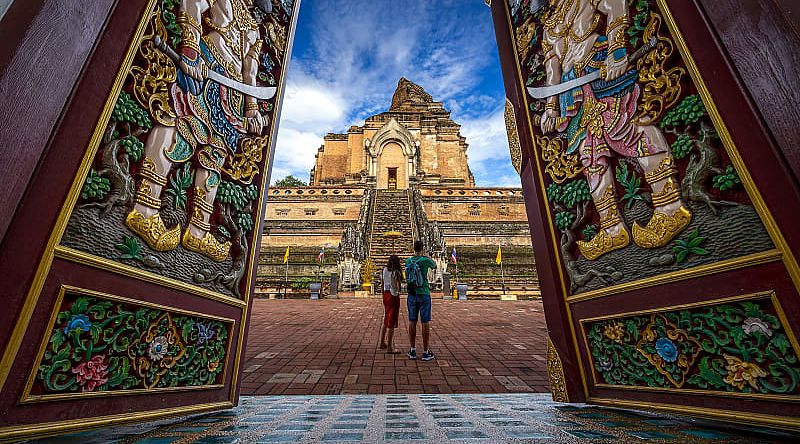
x: 413, y: 275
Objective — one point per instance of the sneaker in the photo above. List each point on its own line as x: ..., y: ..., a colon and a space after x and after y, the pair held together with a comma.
x: 427, y: 355
x: 412, y: 354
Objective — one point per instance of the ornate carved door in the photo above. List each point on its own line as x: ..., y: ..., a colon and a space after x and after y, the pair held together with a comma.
x: 662, y: 211
x: 128, y: 264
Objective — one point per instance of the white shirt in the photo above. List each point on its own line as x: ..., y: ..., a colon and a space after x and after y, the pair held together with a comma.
x: 389, y: 282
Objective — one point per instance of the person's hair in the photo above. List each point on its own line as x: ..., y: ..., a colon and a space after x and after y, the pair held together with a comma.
x: 418, y: 246
x: 393, y: 264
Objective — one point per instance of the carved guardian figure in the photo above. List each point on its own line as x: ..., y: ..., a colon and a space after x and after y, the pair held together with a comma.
x: 222, y: 36
x: 598, y: 120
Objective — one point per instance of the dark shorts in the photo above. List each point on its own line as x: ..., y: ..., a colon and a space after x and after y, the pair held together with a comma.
x: 391, y: 305
x: 419, y: 305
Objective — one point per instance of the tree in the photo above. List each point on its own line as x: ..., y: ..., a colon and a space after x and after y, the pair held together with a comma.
x: 290, y: 181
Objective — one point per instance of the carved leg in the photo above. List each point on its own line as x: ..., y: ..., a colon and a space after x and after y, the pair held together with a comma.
x: 670, y: 215
x: 612, y: 235
x: 197, y: 236
x: 145, y: 219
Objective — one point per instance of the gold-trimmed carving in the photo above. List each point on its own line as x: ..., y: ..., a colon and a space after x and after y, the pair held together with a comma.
x: 555, y: 370
x: 27, y: 397
x: 513, y: 137
x: 242, y: 166
x: 91, y: 260
x: 151, y: 78
x: 770, y: 294
x: 560, y: 165
x: 660, y: 88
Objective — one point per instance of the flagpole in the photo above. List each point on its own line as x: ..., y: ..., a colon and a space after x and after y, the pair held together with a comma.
x: 286, y: 279
x: 502, y: 276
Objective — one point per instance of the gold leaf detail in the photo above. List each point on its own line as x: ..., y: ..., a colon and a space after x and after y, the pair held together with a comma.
x: 660, y: 88
x: 560, y: 165
x: 513, y: 137
x: 555, y: 370
x: 153, y: 73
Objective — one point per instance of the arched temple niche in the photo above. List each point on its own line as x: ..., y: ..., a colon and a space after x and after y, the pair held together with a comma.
x: 392, y: 164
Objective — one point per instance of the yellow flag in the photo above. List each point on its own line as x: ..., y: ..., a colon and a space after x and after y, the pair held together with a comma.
x: 499, y: 258
x: 286, y: 255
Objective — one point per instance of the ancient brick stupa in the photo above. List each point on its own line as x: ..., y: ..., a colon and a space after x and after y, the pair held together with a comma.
x: 406, y: 171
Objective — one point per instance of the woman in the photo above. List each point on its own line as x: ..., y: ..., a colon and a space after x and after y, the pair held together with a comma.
x: 392, y: 278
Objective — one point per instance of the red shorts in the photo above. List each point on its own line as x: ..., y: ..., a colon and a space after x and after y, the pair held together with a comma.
x: 392, y: 306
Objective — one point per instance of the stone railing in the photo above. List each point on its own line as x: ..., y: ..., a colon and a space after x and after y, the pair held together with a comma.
x: 353, y: 248
x: 430, y: 234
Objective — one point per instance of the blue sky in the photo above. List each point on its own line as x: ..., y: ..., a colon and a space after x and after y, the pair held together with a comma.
x: 349, y: 54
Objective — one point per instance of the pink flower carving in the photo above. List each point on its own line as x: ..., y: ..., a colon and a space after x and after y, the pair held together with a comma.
x: 92, y: 373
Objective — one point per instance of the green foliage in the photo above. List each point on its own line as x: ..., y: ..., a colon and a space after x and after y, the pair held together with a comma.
x: 95, y: 187
x: 245, y: 221
x: 574, y: 193
x: 127, y: 110
x: 134, y: 147
x: 554, y: 193
x: 691, y: 245
x: 170, y: 23
x: 564, y: 219
x: 290, y: 181
x: 681, y: 146
x: 232, y: 194
x: 727, y: 180
x: 589, y: 231
x: 630, y: 182
x: 688, y: 112
x: 130, y: 248
x: 178, y: 184
x: 251, y: 192
x: 639, y: 20
x: 301, y: 283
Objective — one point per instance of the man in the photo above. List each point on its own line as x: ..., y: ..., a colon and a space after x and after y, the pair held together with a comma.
x: 598, y: 120
x: 219, y: 35
x: 419, y: 300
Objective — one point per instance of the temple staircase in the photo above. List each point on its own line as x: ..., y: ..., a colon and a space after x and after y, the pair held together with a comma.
x: 391, y: 214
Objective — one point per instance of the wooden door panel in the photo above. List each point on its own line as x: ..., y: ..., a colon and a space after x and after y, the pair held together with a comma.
x: 699, y: 318
x: 106, y: 322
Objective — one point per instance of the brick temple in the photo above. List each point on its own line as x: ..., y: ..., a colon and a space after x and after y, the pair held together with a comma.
x: 403, y: 175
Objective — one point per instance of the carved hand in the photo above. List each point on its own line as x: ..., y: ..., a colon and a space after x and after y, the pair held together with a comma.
x: 615, y: 69
x: 549, y: 120
x: 196, y: 71
x: 254, y: 121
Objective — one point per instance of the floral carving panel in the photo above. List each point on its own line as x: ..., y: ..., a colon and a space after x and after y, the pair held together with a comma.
x: 737, y: 347
x: 101, y: 345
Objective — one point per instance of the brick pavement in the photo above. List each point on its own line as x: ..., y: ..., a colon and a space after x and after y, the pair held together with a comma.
x: 331, y: 347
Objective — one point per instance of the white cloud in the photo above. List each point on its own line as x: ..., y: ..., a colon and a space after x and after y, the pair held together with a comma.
x: 294, y: 153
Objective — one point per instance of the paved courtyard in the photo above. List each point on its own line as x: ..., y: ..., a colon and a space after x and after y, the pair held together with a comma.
x: 303, y: 347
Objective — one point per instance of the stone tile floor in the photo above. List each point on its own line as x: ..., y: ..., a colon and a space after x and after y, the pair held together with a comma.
x: 303, y: 347
x: 434, y: 418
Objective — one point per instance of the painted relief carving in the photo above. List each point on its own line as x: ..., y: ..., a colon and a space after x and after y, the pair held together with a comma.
x: 638, y: 180
x: 178, y: 172
x: 736, y: 347
x: 98, y: 345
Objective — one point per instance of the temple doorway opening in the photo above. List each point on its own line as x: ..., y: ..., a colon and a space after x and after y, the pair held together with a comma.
x: 401, y: 176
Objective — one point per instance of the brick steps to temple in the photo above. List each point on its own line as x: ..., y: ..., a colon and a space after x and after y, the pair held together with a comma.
x: 391, y: 213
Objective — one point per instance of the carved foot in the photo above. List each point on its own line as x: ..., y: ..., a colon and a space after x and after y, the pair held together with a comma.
x: 153, y: 231
x: 207, y: 246
x: 603, y: 243
x: 661, y: 228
